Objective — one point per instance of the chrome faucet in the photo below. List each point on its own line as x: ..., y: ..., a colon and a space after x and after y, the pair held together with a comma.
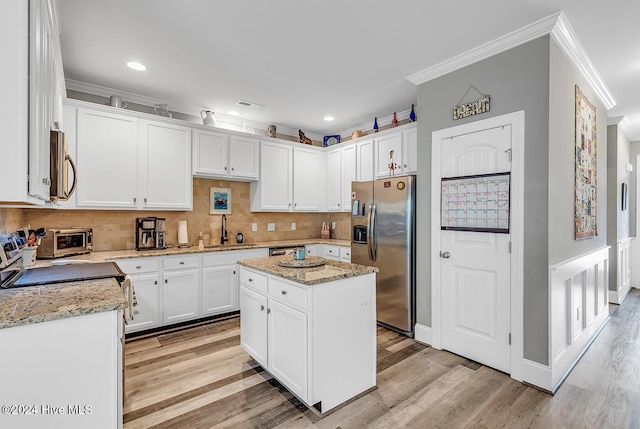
x: 223, y: 233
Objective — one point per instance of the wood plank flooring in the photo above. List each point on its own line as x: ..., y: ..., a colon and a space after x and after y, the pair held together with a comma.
x: 199, y: 377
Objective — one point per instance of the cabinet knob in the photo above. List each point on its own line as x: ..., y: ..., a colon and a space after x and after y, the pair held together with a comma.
x: 225, y: 168
x: 268, y: 310
x: 405, y: 166
x: 284, y: 292
x: 262, y: 308
x: 138, y: 267
x: 134, y: 200
x: 250, y: 279
x: 145, y: 201
x: 166, y: 280
x: 181, y: 262
x: 155, y: 282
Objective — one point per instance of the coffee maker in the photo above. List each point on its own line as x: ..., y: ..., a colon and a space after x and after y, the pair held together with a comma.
x: 150, y: 233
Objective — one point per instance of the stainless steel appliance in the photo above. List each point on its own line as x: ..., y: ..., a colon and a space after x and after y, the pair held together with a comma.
x: 150, y: 233
x: 60, y: 161
x: 383, y: 235
x: 58, y: 243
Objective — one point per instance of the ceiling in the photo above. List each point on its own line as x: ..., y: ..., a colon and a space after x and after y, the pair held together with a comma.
x: 304, y: 60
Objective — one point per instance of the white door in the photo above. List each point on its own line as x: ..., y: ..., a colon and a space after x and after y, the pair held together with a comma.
x: 180, y: 295
x: 210, y: 153
x: 243, y: 158
x: 253, y: 324
x: 276, y: 169
x: 219, y: 289
x: 475, y: 266
x: 306, y: 171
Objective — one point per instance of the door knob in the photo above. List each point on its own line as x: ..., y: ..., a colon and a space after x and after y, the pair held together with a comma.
x: 445, y: 255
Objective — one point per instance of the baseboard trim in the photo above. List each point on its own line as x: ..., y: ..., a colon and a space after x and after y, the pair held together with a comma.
x: 536, y: 374
x: 613, y: 297
x: 423, y: 333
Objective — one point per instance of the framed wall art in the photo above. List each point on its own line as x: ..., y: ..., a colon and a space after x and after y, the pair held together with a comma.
x: 220, y: 201
x: 586, y: 174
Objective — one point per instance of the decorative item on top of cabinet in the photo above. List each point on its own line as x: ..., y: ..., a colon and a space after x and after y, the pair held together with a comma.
x: 304, y: 139
x: 208, y: 118
x: 375, y: 125
x: 394, y: 121
x: 356, y: 134
x: 412, y: 115
x: 331, y: 140
x: 271, y: 131
x: 162, y: 110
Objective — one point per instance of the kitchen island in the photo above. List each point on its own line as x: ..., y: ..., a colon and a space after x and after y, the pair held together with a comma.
x: 313, y: 329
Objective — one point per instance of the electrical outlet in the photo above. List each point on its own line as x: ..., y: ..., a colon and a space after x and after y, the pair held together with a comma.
x: 293, y: 226
x: 271, y: 226
x: 333, y: 225
x: 254, y: 227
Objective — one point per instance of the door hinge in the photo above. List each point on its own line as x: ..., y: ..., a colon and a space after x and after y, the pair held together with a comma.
x: 509, y: 247
x: 509, y: 338
x: 508, y: 152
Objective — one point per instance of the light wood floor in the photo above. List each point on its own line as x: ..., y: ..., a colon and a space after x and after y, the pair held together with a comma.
x: 200, y: 377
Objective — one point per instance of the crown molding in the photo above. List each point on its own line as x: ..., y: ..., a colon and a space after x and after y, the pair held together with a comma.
x: 623, y: 125
x: 489, y: 49
x: 565, y: 37
x: 556, y: 25
x: 235, y: 123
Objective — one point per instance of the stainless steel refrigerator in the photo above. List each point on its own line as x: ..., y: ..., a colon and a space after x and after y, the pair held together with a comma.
x: 383, y: 235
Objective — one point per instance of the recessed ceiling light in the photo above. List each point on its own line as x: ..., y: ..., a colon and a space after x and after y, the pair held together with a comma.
x: 136, y: 66
x: 233, y: 113
x: 329, y: 118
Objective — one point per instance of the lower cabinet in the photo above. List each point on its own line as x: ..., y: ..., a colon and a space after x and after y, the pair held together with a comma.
x: 318, y: 341
x: 173, y: 289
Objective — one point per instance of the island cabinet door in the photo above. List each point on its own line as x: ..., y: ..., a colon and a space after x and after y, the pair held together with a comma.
x: 288, y: 347
x: 253, y: 324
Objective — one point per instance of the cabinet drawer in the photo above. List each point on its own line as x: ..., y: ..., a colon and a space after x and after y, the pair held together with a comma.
x: 138, y: 265
x: 331, y: 252
x: 288, y: 293
x: 178, y: 262
x: 345, y: 252
x: 253, y: 280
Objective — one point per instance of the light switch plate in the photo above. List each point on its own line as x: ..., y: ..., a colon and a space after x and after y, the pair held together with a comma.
x: 254, y: 227
x: 293, y: 226
x: 271, y: 226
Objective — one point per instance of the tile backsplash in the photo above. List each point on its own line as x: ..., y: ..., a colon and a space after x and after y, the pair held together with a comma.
x: 115, y: 229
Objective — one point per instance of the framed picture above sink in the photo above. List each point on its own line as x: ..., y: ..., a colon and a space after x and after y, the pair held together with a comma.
x: 220, y: 201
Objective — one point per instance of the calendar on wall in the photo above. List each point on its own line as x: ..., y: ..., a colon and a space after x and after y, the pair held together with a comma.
x: 478, y: 203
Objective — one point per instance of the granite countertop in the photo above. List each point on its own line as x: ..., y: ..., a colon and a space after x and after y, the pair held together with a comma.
x: 330, y: 271
x: 34, y: 304
x: 111, y: 255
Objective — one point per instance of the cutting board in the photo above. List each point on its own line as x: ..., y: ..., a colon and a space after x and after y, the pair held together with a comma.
x: 68, y: 273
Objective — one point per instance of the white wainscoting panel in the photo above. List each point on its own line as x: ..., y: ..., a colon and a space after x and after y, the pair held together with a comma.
x: 623, y: 272
x: 578, y: 308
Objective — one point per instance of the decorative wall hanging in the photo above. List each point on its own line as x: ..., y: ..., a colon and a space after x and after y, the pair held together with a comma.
x: 586, y: 153
x: 478, y: 203
x: 482, y: 105
x: 220, y: 199
x: 392, y: 165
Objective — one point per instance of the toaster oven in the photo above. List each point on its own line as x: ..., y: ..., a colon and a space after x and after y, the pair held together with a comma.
x: 58, y: 243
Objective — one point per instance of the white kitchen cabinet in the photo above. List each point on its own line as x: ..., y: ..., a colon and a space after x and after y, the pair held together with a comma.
x: 145, y: 276
x: 165, y: 161
x: 313, y: 249
x: 331, y: 251
x: 349, y: 175
x: 219, y: 155
x: 294, y: 330
x: 307, y: 179
x: 253, y: 326
x: 107, y: 160
x: 274, y: 190
x: 410, y: 150
x: 365, y: 156
x: 69, y: 364
x: 180, y: 288
x: 219, y: 290
x: 32, y: 87
x: 345, y: 254
x: 289, y: 178
x: 334, y: 180
x: 243, y: 158
x: 287, y: 345
x: 210, y: 153
x: 127, y: 163
x: 404, y: 144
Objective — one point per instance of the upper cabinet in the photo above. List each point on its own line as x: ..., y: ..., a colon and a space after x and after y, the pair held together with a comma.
x: 219, y: 155
x: 32, y: 87
x: 290, y: 178
x: 129, y: 163
x: 399, y: 148
x: 341, y: 171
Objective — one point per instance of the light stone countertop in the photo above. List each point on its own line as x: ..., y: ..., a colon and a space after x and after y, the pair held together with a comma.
x: 330, y: 271
x: 34, y: 304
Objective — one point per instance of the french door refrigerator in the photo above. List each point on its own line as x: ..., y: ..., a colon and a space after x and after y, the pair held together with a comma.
x: 383, y: 235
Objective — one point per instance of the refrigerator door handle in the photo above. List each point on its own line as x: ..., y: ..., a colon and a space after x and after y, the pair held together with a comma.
x: 374, y: 232
x: 369, y: 236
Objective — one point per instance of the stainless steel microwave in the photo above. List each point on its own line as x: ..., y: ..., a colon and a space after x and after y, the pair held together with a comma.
x: 57, y: 243
x: 59, y: 164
